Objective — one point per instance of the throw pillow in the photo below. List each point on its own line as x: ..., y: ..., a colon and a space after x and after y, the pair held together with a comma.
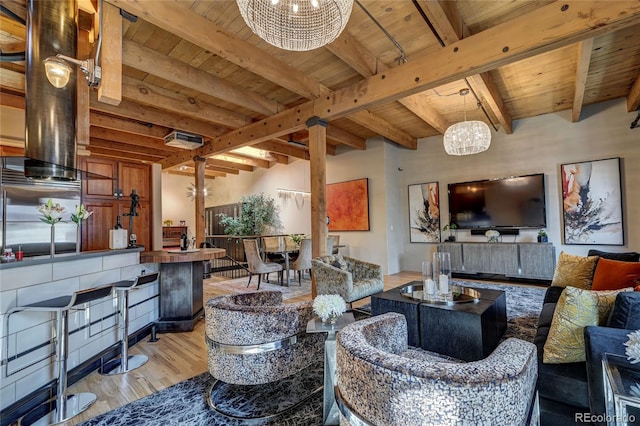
x: 575, y: 271
x: 576, y: 309
x: 631, y: 256
x: 337, y: 261
x: 614, y: 274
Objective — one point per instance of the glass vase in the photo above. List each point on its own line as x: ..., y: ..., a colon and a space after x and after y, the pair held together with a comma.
x: 442, y: 275
x: 52, y: 249
x: 78, y: 239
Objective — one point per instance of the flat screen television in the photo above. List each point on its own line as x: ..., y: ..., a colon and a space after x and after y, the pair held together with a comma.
x: 513, y: 202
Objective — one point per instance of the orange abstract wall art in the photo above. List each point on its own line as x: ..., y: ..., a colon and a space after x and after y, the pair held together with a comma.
x: 348, y: 205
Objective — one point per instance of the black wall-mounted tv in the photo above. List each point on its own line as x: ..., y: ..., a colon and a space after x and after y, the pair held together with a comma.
x: 513, y: 202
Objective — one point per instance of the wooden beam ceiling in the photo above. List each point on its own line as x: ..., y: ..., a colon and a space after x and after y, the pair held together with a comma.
x: 200, y: 31
x: 582, y: 71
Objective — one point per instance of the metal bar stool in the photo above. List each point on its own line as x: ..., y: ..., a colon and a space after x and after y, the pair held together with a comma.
x: 126, y: 362
x: 64, y: 406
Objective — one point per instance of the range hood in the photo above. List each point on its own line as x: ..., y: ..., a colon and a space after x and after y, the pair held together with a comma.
x: 50, y: 113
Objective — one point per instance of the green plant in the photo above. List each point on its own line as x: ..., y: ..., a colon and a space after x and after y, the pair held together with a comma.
x: 297, y: 238
x: 450, y: 227
x: 258, y: 215
x: 542, y: 233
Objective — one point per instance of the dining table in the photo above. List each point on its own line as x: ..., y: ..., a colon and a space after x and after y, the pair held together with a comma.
x: 284, y: 251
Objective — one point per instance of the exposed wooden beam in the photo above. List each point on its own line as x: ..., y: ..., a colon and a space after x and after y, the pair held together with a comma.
x: 110, y: 89
x: 124, y: 148
x: 193, y: 27
x: 354, y: 54
x: 229, y: 164
x: 281, y: 148
x: 12, y: 101
x: 336, y: 134
x: 17, y: 30
x: 17, y: 7
x: 633, y: 98
x: 8, y: 151
x: 157, y: 97
x: 190, y: 171
x: 132, y: 139
x: 283, y: 123
x: 556, y: 25
x: 129, y: 126
x: 162, y: 118
x: 11, y: 79
x: 585, y: 48
x: 279, y: 158
x: 127, y: 156
x: 173, y: 70
x: 241, y: 159
x: 318, y: 179
x: 370, y: 121
x: 224, y: 169
x: 450, y: 28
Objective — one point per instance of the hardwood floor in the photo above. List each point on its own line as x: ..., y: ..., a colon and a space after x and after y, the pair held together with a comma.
x: 173, y: 359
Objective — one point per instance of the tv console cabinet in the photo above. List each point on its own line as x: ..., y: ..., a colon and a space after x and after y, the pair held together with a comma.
x: 513, y: 260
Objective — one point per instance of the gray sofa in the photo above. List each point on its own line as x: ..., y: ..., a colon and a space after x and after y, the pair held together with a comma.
x: 567, y: 389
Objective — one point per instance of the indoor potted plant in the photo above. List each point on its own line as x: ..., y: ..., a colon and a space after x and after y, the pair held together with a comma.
x: 542, y: 236
x: 451, y: 227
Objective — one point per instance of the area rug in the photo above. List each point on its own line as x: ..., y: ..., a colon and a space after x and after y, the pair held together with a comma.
x: 239, y: 285
x: 185, y: 403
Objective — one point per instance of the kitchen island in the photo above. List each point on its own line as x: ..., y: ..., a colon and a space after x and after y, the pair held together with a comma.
x: 181, y: 290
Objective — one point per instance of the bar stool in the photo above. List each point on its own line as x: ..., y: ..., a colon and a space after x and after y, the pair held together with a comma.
x: 126, y: 362
x: 64, y: 406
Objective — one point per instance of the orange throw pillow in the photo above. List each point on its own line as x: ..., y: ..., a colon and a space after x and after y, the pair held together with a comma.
x: 614, y: 274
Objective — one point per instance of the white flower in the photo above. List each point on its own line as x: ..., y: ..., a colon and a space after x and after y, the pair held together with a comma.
x: 633, y: 347
x: 51, y: 213
x: 492, y: 233
x: 326, y: 305
x: 80, y: 215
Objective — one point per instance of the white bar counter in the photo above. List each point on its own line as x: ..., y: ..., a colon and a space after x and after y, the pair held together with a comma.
x: 28, y: 362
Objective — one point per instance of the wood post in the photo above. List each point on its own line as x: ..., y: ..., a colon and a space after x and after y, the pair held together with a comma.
x: 318, y: 173
x: 200, y: 163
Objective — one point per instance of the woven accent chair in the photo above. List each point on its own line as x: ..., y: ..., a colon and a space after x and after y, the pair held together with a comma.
x: 303, y: 261
x: 256, y: 265
x: 383, y: 381
x: 254, y: 338
x: 351, y: 278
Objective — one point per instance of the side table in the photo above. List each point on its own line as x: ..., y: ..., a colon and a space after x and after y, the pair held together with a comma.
x: 621, y: 390
x: 330, y: 412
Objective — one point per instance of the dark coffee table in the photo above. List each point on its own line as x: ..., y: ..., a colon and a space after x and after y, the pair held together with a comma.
x: 467, y: 331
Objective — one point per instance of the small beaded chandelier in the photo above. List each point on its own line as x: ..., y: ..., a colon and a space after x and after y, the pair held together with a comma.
x: 467, y: 137
x: 297, y: 25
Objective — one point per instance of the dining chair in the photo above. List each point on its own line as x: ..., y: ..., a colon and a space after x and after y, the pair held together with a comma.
x: 336, y: 243
x: 256, y: 265
x: 271, y: 246
x: 330, y: 244
x: 303, y: 261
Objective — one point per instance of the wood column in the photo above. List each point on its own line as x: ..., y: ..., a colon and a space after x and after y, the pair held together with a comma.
x: 110, y: 90
x: 82, y: 117
x: 200, y: 163
x: 318, y: 173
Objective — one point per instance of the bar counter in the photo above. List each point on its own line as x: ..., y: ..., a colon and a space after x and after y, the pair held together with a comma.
x: 181, y: 288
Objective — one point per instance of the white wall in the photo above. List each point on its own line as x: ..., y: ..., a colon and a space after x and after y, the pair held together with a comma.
x: 176, y: 205
x: 538, y: 145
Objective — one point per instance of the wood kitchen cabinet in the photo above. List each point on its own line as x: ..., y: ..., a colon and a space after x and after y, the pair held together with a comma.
x: 97, y: 196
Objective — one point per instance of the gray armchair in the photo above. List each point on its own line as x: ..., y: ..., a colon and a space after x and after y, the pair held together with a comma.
x: 351, y: 278
x: 383, y: 381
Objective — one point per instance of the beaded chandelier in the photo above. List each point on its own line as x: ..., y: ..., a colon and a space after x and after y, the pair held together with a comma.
x: 298, y: 25
x: 467, y: 137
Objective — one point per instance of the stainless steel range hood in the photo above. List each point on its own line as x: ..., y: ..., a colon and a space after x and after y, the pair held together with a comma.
x: 50, y: 114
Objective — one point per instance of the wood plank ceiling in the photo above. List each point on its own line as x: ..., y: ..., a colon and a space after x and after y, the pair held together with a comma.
x: 195, y: 66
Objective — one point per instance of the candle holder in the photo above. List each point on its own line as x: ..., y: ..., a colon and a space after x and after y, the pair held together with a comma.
x: 442, y: 275
x: 429, y: 289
